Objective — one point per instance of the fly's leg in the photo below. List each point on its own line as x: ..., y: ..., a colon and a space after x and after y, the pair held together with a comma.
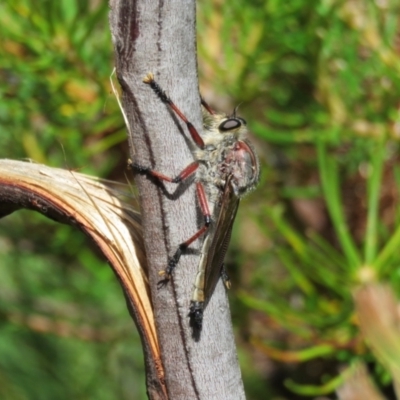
x: 188, y: 171
x: 206, y: 106
x: 225, y: 277
x: 149, y: 80
x: 173, y: 261
x: 202, y: 198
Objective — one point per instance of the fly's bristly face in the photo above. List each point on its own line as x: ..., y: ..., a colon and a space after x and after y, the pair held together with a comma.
x: 222, y: 129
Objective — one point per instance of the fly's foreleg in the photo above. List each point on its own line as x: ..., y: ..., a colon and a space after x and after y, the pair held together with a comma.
x: 207, y: 107
x: 173, y: 261
x: 149, y: 80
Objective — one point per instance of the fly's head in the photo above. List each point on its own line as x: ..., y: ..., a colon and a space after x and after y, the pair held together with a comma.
x: 236, y: 156
x: 223, y: 130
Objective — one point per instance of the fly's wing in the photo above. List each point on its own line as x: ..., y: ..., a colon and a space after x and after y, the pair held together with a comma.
x: 221, y: 237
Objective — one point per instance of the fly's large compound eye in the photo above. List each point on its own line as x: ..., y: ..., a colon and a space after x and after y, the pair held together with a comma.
x: 231, y: 123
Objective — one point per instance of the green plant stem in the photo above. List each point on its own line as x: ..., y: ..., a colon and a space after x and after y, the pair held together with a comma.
x: 392, y: 247
x: 328, y: 387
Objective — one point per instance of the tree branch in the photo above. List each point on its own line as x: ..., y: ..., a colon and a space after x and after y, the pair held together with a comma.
x: 159, y: 37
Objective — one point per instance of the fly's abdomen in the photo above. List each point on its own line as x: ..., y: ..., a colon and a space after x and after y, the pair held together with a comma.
x: 198, y: 292
x: 198, y: 300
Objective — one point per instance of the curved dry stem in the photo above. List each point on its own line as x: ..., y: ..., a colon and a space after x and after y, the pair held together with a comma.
x: 107, y: 213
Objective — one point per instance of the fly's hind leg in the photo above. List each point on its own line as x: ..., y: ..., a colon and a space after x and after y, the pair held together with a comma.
x: 201, y: 195
x: 225, y: 277
x: 173, y: 261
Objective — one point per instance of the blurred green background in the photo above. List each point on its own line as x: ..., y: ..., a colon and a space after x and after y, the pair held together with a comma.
x: 318, y: 82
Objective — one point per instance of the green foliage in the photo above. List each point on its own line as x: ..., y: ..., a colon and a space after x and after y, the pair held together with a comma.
x: 319, y: 84
x: 56, y: 63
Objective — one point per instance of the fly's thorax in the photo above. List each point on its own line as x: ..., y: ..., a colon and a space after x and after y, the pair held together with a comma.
x: 242, y: 164
x: 211, y: 171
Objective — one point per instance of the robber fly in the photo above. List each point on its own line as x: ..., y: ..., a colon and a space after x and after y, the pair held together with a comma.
x: 225, y: 168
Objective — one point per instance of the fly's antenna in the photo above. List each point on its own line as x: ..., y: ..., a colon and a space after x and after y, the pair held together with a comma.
x: 235, y: 110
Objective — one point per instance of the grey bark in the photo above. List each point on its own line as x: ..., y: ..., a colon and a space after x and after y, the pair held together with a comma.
x: 159, y: 37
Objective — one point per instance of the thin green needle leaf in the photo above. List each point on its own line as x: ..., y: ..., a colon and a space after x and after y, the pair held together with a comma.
x: 374, y: 183
x: 297, y: 274
x: 313, y: 390
x: 330, y: 186
x: 292, y: 237
x: 293, y: 356
x: 328, y: 250
x: 391, y: 248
